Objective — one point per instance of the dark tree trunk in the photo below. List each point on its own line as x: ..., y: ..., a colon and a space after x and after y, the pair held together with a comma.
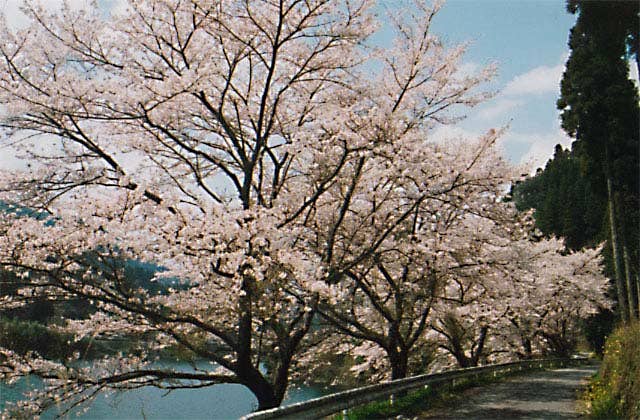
x: 249, y: 375
x: 526, y: 345
x: 461, y: 357
x: 262, y: 389
x: 615, y: 248
x: 479, y: 348
x: 629, y: 283
x: 638, y: 293
x: 399, y: 364
x: 282, y: 372
x: 463, y: 360
x: 637, y: 55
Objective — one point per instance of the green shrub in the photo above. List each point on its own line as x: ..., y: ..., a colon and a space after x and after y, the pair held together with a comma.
x: 25, y: 336
x: 596, y: 328
x: 30, y: 336
x: 615, y: 391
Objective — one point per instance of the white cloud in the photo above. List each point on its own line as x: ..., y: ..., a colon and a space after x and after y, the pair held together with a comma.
x: 539, y: 80
x: 546, y: 79
x: 444, y: 133
x: 531, y: 150
x: 498, y: 108
x: 534, y: 149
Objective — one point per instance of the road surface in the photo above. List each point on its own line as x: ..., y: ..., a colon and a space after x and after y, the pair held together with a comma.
x: 551, y: 394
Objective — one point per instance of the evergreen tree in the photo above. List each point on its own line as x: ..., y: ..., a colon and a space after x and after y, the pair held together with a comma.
x: 564, y: 202
x: 599, y: 108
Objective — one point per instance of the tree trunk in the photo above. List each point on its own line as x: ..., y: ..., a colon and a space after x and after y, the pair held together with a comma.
x: 463, y: 360
x: 613, y: 236
x: 638, y: 294
x: 249, y: 375
x: 281, y: 381
x: 528, y: 348
x: 477, y: 352
x: 637, y: 54
x: 399, y: 364
x: 262, y: 389
x: 633, y: 310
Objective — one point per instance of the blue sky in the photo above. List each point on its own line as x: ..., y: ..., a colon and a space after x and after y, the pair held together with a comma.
x: 528, y: 41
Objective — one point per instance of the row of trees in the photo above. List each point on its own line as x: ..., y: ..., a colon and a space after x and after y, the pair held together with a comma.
x: 600, y: 108
x: 283, y: 168
x: 591, y: 193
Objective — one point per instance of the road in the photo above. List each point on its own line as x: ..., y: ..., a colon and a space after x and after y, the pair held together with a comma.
x: 551, y: 394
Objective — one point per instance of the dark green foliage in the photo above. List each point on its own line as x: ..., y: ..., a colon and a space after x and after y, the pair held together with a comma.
x: 599, y: 108
x: 566, y: 206
x: 40, y: 310
x: 30, y: 328
x: 129, y: 274
x: 27, y: 336
x: 596, y: 329
x: 564, y: 202
x: 599, y: 103
x: 21, y: 211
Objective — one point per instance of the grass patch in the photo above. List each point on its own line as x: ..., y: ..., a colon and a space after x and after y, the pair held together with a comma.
x: 614, y: 393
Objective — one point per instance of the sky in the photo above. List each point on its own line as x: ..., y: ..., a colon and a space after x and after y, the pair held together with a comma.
x: 528, y: 41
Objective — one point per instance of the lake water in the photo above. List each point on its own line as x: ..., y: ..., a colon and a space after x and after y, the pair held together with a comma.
x: 226, y: 401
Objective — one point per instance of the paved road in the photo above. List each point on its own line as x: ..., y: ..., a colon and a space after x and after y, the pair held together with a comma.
x: 548, y: 394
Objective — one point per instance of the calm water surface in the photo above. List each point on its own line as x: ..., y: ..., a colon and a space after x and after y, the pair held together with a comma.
x: 226, y: 401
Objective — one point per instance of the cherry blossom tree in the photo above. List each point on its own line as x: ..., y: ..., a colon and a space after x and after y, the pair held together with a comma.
x: 266, y: 156
x: 246, y: 147
x: 389, y: 299
x: 538, y: 295
x: 172, y: 130
x: 471, y: 306
x: 370, y: 229
x: 553, y: 290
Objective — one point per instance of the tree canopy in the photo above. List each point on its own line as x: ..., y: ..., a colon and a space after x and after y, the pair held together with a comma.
x: 564, y: 201
x: 599, y: 108
x: 285, y: 173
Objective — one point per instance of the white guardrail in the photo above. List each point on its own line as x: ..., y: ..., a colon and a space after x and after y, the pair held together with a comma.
x: 335, y: 403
